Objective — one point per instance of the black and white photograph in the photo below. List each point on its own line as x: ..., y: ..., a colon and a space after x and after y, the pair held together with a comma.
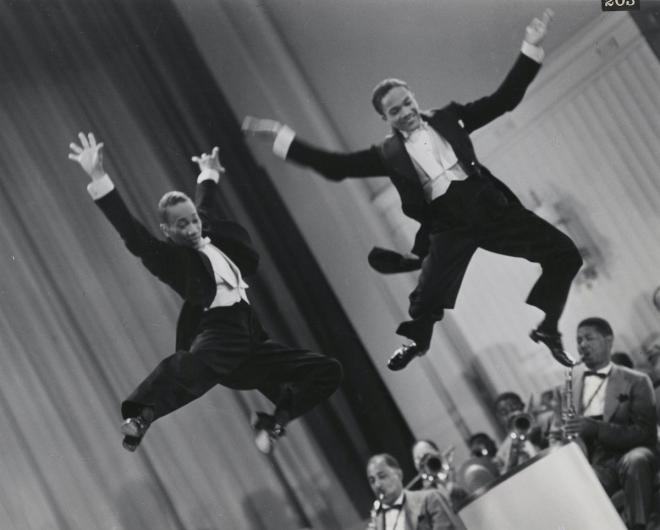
x: 330, y: 265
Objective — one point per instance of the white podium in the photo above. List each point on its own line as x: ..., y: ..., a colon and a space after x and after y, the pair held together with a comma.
x: 559, y: 491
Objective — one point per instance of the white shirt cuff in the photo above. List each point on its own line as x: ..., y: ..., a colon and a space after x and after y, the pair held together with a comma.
x: 208, y: 174
x: 283, y: 141
x: 101, y: 187
x: 535, y: 53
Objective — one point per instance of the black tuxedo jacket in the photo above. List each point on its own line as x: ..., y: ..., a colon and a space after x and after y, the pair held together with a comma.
x: 186, y: 270
x: 389, y: 158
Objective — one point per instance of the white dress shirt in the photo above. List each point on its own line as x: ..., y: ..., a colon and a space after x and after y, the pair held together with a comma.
x: 230, y: 286
x: 593, y: 392
x: 434, y: 159
x: 395, y: 518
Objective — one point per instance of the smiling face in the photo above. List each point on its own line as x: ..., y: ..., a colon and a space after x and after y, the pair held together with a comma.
x: 400, y: 109
x: 594, y: 347
x: 183, y: 226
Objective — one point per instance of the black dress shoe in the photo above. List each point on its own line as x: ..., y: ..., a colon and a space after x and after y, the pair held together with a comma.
x: 390, y: 262
x: 402, y: 357
x: 131, y: 443
x: 133, y: 430
x: 266, y: 431
x: 554, y: 344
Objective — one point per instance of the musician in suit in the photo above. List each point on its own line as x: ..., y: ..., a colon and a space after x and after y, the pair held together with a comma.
x: 399, y: 509
x: 219, y: 340
x: 616, y: 420
x: 459, y: 204
x: 651, y: 350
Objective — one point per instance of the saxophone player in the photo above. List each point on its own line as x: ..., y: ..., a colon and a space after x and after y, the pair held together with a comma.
x: 401, y: 509
x: 616, y: 419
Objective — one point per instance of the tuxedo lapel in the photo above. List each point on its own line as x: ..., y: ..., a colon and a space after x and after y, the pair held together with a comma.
x: 207, y: 263
x: 412, y: 510
x: 616, y: 385
x: 447, y: 130
x: 398, y: 158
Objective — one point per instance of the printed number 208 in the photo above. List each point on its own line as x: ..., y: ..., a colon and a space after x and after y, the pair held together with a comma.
x: 615, y: 5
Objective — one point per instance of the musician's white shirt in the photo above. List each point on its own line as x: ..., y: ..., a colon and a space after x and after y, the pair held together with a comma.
x: 395, y: 519
x: 593, y: 393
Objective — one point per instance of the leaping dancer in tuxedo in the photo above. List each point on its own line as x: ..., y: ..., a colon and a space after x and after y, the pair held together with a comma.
x: 205, y: 259
x: 458, y: 202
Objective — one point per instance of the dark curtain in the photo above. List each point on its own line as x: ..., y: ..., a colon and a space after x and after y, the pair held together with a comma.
x: 129, y: 71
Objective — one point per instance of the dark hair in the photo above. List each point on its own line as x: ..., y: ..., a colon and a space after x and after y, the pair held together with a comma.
x: 600, y: 324
x: 381, y: 89
x: 430, y: 442
x: 622, y: 359
x: 488, y: 442
x: 170, y: 199
x: 387, y: 458
x: 508, y: 395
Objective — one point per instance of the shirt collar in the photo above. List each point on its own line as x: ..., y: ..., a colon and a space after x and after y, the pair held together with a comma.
x: 423, y: 126
x: 604, y: 370
x: 398, y: 502
x: 203, y: 242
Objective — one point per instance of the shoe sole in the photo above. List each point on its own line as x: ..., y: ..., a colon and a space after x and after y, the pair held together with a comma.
x: 569, y: 361
x: 130, y: 429
x: 398, y: 368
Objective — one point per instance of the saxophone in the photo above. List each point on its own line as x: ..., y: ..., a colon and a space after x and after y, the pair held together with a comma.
x: 375, y: 510
x: 568, y: 407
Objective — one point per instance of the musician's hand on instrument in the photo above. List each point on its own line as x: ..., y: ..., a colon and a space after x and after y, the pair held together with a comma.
x: 581, y: 426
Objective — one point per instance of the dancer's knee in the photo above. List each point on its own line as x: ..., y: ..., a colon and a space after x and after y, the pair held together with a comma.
x: 573, y: 259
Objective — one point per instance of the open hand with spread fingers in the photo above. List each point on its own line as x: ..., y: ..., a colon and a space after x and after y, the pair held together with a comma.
x: 206, y: 161
x: 88, y: 154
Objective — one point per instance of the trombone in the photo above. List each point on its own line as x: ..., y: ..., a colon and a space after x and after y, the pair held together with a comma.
x: 435, y: 468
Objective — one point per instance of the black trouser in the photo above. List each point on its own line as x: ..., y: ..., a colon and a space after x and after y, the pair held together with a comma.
x: 233, y: 350
x: 474, y: 214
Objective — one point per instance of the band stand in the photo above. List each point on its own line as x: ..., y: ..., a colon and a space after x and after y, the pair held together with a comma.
x: 556, y: 490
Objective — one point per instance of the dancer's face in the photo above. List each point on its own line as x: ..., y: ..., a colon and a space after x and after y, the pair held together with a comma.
x: 184, y: 226
x: 400, y: 109
x: 594, y: 347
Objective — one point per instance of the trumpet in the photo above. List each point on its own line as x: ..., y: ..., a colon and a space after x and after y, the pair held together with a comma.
x: 520, y: 424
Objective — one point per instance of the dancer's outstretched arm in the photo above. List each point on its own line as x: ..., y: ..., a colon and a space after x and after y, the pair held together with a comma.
x: 88, y: 153
x: 332, y: 165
